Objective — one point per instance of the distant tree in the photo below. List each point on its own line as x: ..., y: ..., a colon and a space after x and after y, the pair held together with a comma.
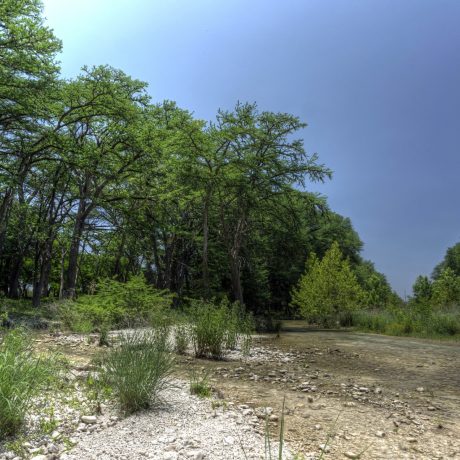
x: 422, y: 289
x: 377, y: 291
x: 328, y: 287
x: 451, y: 260
x: 446, y: 288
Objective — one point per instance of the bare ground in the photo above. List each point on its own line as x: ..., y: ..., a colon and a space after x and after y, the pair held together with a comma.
x: 355, y: 395
x: 378, y: 396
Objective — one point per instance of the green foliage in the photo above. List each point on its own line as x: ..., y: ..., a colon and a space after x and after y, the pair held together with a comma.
x: 215, y: 329
x: 116, y: 304
x: 422, y: 289
x: 138, y: 368
x: 199, y: 384
x: 451, y: 260
x: 327, y: 288
x: 377, y: 291
x: 446, y: 288
x: 181, y: 338
x: 409, y: 322
x: 23, y: 375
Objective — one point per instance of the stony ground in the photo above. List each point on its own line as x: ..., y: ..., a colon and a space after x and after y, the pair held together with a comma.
x: 384, y: 397
x: 347, y: 395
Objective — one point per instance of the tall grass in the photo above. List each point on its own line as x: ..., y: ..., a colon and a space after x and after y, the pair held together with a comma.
x: 409, y: 322
x: 138, y: 368
x: 216, y: 329
x: 23, y: 376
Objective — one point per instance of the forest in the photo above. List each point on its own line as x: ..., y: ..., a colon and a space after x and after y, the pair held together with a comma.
x: 99, y: 182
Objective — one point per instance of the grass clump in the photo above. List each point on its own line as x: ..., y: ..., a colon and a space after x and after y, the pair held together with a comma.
x: 138, y: 368
x: 181, y: 339
x: 199, y: 384
x: 215, y: 329
x: 23, y: 376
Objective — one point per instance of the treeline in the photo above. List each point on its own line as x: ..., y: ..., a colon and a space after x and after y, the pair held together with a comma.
x: 442, y: 289
x: 96, y: 181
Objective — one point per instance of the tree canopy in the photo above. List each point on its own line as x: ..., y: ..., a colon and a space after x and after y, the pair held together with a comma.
x: 97, y: 181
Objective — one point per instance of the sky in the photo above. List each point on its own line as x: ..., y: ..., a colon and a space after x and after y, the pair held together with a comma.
x: 378, y: 83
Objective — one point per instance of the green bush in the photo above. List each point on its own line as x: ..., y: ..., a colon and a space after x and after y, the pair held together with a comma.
x: 137, y: 369
x: 446, y: 324
x: 115, y: 305
x: 23, y: 376
x: 216, y: 329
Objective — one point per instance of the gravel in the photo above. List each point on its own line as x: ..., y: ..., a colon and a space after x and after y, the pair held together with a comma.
x: 182, y: 427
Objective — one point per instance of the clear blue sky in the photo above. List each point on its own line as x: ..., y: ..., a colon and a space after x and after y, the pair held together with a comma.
x: 377, y: 82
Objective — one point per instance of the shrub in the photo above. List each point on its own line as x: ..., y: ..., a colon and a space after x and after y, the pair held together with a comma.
x: 137, y: 369
x: 217, y: 328
x: 23, y: 375
x: 327, y: 288
x: 115, y: 305
x: 446, y: 324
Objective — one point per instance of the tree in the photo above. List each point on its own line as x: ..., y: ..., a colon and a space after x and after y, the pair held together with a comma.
x: 422, y: 289
x: 328, y: 287
x: 451, y: 260
x: 377, y: 291
x: 261, y: 160
x: 28, y: 78
x: 446, y: 288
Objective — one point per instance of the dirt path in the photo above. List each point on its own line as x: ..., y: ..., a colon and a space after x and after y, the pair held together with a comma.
x: 394, y: 398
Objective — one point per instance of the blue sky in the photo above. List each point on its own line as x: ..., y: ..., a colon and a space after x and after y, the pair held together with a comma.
x: 377, y: 81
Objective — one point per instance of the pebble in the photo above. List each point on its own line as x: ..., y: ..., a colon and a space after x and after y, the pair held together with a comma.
x: 89, y: 419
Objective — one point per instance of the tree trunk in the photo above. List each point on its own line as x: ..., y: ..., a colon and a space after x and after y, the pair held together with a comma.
x: 236, y: 280
x: 206, y: 291
x: 62, y: 277
x: 74, y: 252
x: 4, y: 215
x: 15, y: 273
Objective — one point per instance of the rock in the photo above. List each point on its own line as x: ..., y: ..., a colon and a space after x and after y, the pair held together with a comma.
x: 431, y: 408
x: 324, y: 447
x: 378, y: 391
x: 420, y: 389
x: 229, y: 440
x: 412, y: 440
x: 89, y: 419
x: 55, y: 435
x: 170, y: 456
x: 195, y: 455
x: 53, y: 449
x: 39, y: 457
x: 380, y: 434
x: 351, y: 455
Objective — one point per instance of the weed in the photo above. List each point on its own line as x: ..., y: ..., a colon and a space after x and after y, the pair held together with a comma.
x: 23, y: 375
x: 199, y: 384
x: 48, y: 422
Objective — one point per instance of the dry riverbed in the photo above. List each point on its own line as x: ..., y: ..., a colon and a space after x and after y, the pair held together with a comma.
x: 347, y: 395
